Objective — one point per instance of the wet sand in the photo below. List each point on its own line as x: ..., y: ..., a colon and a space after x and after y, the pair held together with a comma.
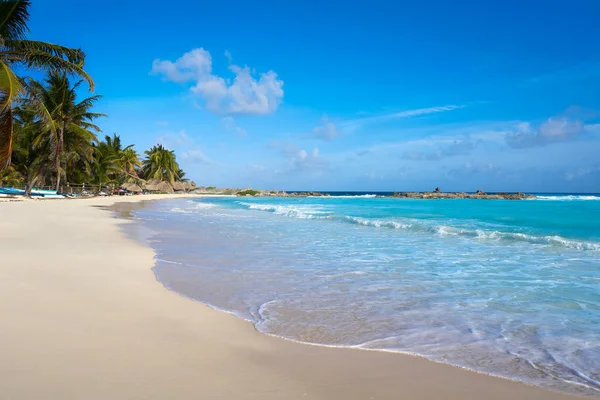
x: 83, y: 317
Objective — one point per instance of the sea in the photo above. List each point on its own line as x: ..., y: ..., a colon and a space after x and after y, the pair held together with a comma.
x: 507, y: 288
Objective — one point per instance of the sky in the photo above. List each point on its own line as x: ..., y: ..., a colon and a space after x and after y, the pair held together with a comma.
x: 353, y: 96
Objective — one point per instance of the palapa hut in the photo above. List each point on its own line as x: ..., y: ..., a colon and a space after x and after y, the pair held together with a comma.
x: 184, y: 186
x: 179, y: 186
x: 155, y: 185
x: 132, y: 187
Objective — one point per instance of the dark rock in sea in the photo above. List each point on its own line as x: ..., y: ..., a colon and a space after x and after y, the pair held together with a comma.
x: 480, y: 194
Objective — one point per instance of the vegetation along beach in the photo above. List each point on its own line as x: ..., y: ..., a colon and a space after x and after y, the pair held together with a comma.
x: 419, y: 219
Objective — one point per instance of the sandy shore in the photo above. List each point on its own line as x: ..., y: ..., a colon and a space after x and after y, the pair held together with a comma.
x: 84, y: 318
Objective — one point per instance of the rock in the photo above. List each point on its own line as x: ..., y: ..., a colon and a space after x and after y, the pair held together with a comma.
x: 480, y: 194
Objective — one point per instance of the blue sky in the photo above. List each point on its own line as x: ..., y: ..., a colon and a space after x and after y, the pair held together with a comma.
x: 332, y: 95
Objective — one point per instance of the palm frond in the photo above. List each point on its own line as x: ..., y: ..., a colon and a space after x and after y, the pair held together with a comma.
x: 10, y: 86
x: 84, y: 133
x: 37, y: 59
x: 13, y: 19
x: 75, y: 56
x: 6, y: 130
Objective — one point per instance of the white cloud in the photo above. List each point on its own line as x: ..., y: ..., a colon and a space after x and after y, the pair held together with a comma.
x: 196, y: 156
x: 230, y: 125
x: 358, y: 122
x: 305, y: 161
x: 187, y: 148
x: 554, y: 130
x: 244, y: 95
x: 327, y: 130
x: 257, y: 168
x: 582, y: 172
x: 172, y: 140
x: 228, y: 56
x: 445, y: 149
x: 299, y: 159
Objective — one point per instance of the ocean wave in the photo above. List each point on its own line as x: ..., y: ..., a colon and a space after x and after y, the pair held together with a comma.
x: 444, y: 230
x: 567, y: 198
x: 301, y: 212
x: 194, y: 207
x: 203, y: 205
x: 418, y: 226
x: 357, y: 196
x: 181, y: 210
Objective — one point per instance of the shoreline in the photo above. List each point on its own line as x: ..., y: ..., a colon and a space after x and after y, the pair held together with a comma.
x: 154, y: 334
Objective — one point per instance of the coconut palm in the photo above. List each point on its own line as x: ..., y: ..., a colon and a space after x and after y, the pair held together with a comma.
x: 105, y: 164
x: 181, y: 176
x: 16, y: 51
x: 29, y: 160
x: 114, y: 143
x: 70, y: 130
x: 130, y: 162
x: 160, y: 163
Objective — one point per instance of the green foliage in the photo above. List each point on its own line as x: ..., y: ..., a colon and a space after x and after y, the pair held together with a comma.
x: 63, y: 124
x: 211, y: 187
x: 47, y: 131
x: 160, y: 163
x: 16, y: 52
x: 248, y: 192
x: 55, y: 142
x: 11, y: 177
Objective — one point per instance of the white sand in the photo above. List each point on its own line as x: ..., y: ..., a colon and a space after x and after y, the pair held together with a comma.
x: 82, y: 317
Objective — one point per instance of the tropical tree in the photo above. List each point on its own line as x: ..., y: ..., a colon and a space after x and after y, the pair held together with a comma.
x: 114, y: 143
x: 16, y: 51
x: 160, y: 163
x: 64, y: 124
x: 105, y: 164
x: 130, y: 162
x: 181, y: 175
x: 29, y: 160
x: 10, y: 177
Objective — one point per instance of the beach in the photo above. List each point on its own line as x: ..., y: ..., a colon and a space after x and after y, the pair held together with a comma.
x: 83, y: 317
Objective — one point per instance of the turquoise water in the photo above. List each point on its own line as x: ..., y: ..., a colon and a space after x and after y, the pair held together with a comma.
x: 510, y: 288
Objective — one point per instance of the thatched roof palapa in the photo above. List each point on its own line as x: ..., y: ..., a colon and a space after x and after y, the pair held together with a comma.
x: 155, y: 185
x: 131, y: 187
x: 179, y: 186
x: 183, y: 186
x: 164, y: 187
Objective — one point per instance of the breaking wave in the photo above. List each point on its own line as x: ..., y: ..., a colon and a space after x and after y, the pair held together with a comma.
x: 567, y: 198
x: 419, y: 226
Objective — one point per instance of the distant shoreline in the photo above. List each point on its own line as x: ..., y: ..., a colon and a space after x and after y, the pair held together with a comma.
x: 435, y: 195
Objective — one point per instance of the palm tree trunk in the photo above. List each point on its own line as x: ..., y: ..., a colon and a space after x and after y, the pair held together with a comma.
x: 58, y: 182
x: 31, y: 184
x: 59, y: 152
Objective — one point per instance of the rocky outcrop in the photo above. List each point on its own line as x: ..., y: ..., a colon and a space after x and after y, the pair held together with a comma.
x: 480, y: 194
x: 436, y: 194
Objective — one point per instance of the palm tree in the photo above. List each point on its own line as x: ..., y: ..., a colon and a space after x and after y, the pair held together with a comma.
x: 30, y: 161
x: 16, y: 51
x: 114, y: 142
x: 105, y: 164
x: 181, y: 175
x: 70, y: 130
x: 160, y: 163
x: 130, y: 162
